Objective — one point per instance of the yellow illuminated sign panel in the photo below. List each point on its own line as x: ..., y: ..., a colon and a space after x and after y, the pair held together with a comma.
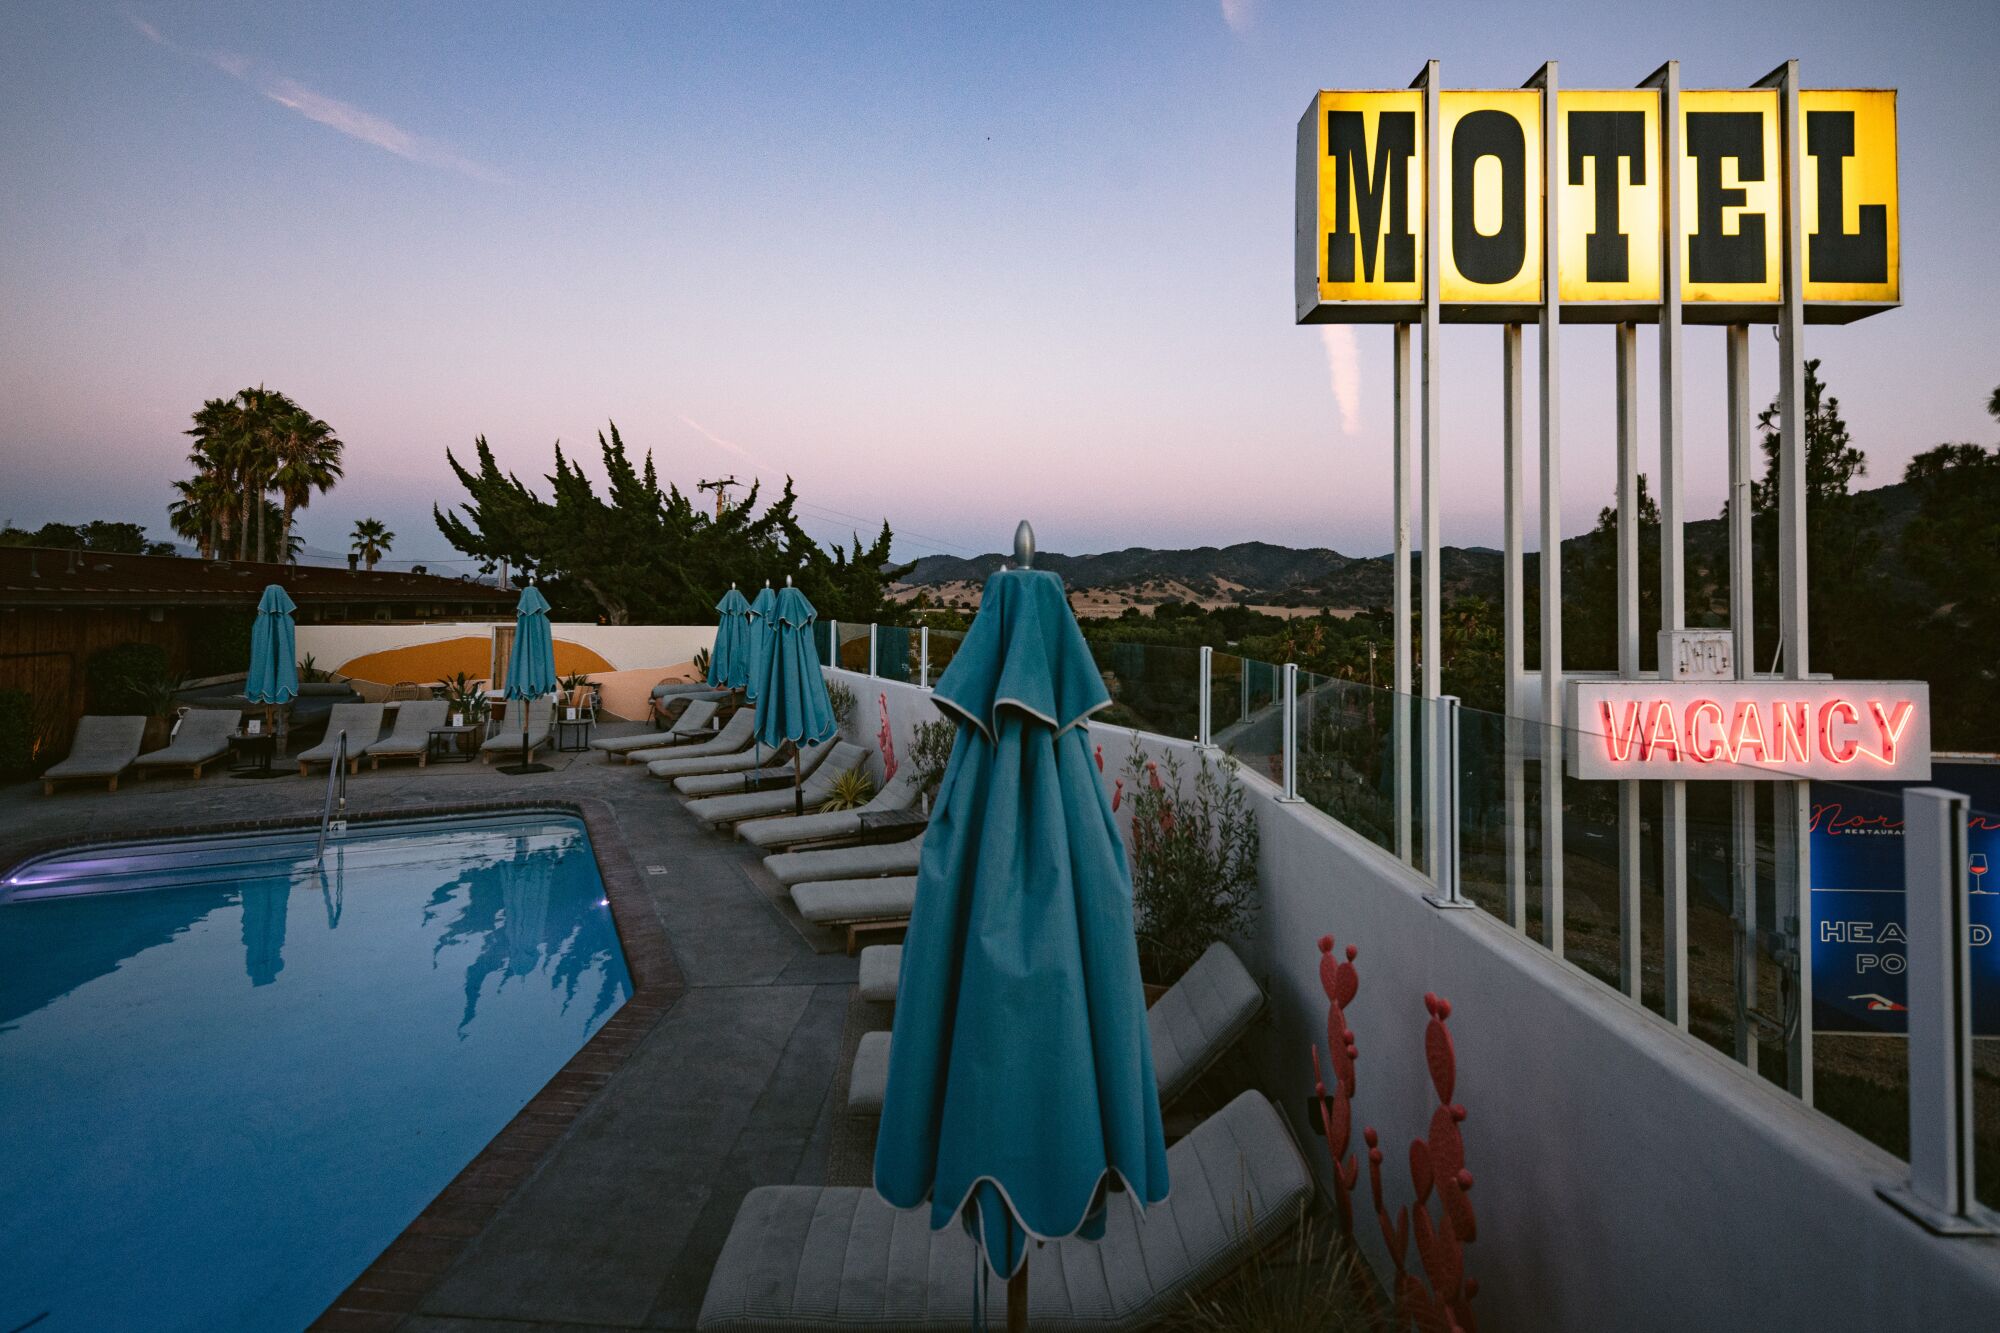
x: 1361, y: 204
x: 1368, y: 184
x: 1490, y: 222
x: 1848, y: 195
x: 1608, y: 193
x: 1732, y: 197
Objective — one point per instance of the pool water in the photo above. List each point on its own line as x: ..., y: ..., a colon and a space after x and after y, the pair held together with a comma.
x: 229, y: 1079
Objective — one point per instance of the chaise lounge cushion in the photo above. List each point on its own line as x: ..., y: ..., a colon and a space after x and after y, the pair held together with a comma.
x: 735, y: 734
x: 718, y: 781
x: 411, y: 734
x: 899, y: 794
x: 840, y: 902
x: 361, y: 722
x: 799, y: 1257
x: 719, y: 810
x: 881, y: 969
x: 506, y: 737
x: 103, y: 747
x: 203, y: 735
x: 1198, y: 1019
x: 692, y: 723
x: 886, y: 858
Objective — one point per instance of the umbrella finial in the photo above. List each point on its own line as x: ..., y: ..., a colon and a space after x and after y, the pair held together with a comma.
x: 1024, y: 545
x: 788, y: 580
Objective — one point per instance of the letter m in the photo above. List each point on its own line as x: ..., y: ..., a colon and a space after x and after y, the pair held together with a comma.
x: 1362, y: 187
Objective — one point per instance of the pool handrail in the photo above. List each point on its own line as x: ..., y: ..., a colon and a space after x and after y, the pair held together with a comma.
x: 336, y: 791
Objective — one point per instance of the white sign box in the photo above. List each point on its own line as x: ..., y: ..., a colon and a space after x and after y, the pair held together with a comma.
x: 1697, y: 654
x: 1756, y: 730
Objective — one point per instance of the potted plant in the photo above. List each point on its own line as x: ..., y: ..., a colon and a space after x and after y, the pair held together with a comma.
x: 1194, y: 860
x: 153, y: 696
x: 930, y: 755
x: 850, y: 791
x: 467, y: 700
x: 842, y: 699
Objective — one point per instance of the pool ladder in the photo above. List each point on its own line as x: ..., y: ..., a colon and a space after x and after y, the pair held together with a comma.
x: 333, y: 816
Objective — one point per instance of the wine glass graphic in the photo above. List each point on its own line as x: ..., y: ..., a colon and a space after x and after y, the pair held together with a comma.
x: 1976, y: 865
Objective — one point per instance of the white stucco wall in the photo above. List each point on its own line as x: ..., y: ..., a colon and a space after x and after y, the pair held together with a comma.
x: 1626, y: 1176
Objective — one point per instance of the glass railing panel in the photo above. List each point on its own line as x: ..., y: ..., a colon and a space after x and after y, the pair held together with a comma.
x: 1355, y: 743
x: 944, y: 647
x: 895, y: 652
x: 1153, y: 687
x: 1495, y: 860
x: 852, y: 652
x: 1983, y: 846
x: 822, y: 639
x: 1246, y: 713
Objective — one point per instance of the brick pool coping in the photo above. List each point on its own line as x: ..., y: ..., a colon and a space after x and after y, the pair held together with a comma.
x: 390, y: 1289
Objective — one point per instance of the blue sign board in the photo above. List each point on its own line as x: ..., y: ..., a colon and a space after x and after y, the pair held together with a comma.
x: 1859, y: 952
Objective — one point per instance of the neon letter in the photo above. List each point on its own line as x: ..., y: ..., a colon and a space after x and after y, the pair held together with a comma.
x: 1618, y: 740
x: 1892, y: 723
x: 1717, y: 746
x: 1664, y: 733
x: 1841, y: 752
x: 1747, y: 730
x: 1794, y: 724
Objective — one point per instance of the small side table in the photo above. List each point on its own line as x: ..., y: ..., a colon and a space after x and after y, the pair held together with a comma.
x: 454, y: 745
x: 891, y: 825
x: 577, y: 726
x: 253, y: 753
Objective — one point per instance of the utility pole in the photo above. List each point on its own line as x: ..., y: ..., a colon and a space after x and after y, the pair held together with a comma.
x: 721, y: 489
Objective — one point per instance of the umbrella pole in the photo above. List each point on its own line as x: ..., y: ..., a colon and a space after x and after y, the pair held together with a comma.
x: 798, y: 789
x: 1017, y: 1299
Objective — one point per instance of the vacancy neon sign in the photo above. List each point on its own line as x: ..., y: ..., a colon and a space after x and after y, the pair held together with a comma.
x: 1766, y: 729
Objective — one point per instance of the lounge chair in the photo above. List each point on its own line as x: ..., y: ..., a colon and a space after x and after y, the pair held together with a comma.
x: 361, y: 722
x: 857, y: 905
x: 800, y: 1257
x: 410, y: 737
x: 734, y: 736
x: 721, y: 810
x: 506, y: 742
x: 666, y: 697
x: 695, y: 723
x: 882, y: 858
x: 200, y: 740
x: 881, y: 972
x: 1199, y: 1018
x: 757, y: 767
x: 693, y: 765
x: 899, y: 794
x: 103, y: 749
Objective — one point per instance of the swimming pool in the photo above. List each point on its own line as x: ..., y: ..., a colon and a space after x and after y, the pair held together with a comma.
x: 229, y: 1079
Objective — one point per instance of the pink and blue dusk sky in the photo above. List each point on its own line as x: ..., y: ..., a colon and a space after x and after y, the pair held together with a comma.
x: 945, y: 264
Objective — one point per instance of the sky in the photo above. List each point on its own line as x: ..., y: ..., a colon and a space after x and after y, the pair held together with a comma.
x: 948, y: 265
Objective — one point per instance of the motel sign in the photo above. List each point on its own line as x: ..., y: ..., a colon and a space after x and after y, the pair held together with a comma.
x: 1361, y: 197
x: 1846, y: 731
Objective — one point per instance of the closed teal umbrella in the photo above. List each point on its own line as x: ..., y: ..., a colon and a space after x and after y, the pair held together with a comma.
x: 1021, y: 1072
x: 729, y: 659
x: 757, y: 639
x: 274, y: 662
x: 792, y: 703
x: 531, y: 666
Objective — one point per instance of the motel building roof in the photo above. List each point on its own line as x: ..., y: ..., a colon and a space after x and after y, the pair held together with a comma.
x: 47, y: 578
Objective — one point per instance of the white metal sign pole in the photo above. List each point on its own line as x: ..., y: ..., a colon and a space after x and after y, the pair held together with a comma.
x: 1513, y: 640
x: 1399, y: 714
x: 1673, y: 576
x: 1794, y: 852
x: 1434, y: 807
x: 1551, y: 561
x: 1630, y: 848
x: 1743, y: 653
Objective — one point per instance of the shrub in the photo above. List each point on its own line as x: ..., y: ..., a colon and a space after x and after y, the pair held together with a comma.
x: 118, y: 678
x: 17, y: 734
x: 930, y: 752
x: 850, y: 791
x: 1194, y: 860
x: 842, y: 700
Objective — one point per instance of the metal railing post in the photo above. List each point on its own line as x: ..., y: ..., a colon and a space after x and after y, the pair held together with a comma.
x: 923, y: 657
x: 1290, y: 722
x: 833, y: 644
x: 1939, y: 1192
x: 1205, y: 722
x: 872, y: 636
x: 1445, y: 783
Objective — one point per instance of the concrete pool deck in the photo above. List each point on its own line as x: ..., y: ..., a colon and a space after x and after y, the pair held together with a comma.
x: 613, y: 1216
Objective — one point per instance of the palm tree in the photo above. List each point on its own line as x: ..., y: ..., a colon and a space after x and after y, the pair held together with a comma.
x: 305, y: 456
x: 372, y: 540
x: 202, y: 511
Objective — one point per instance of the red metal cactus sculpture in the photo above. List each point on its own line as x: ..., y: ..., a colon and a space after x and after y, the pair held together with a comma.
x: 1336, y: 1110
x: 1441, y: 1300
